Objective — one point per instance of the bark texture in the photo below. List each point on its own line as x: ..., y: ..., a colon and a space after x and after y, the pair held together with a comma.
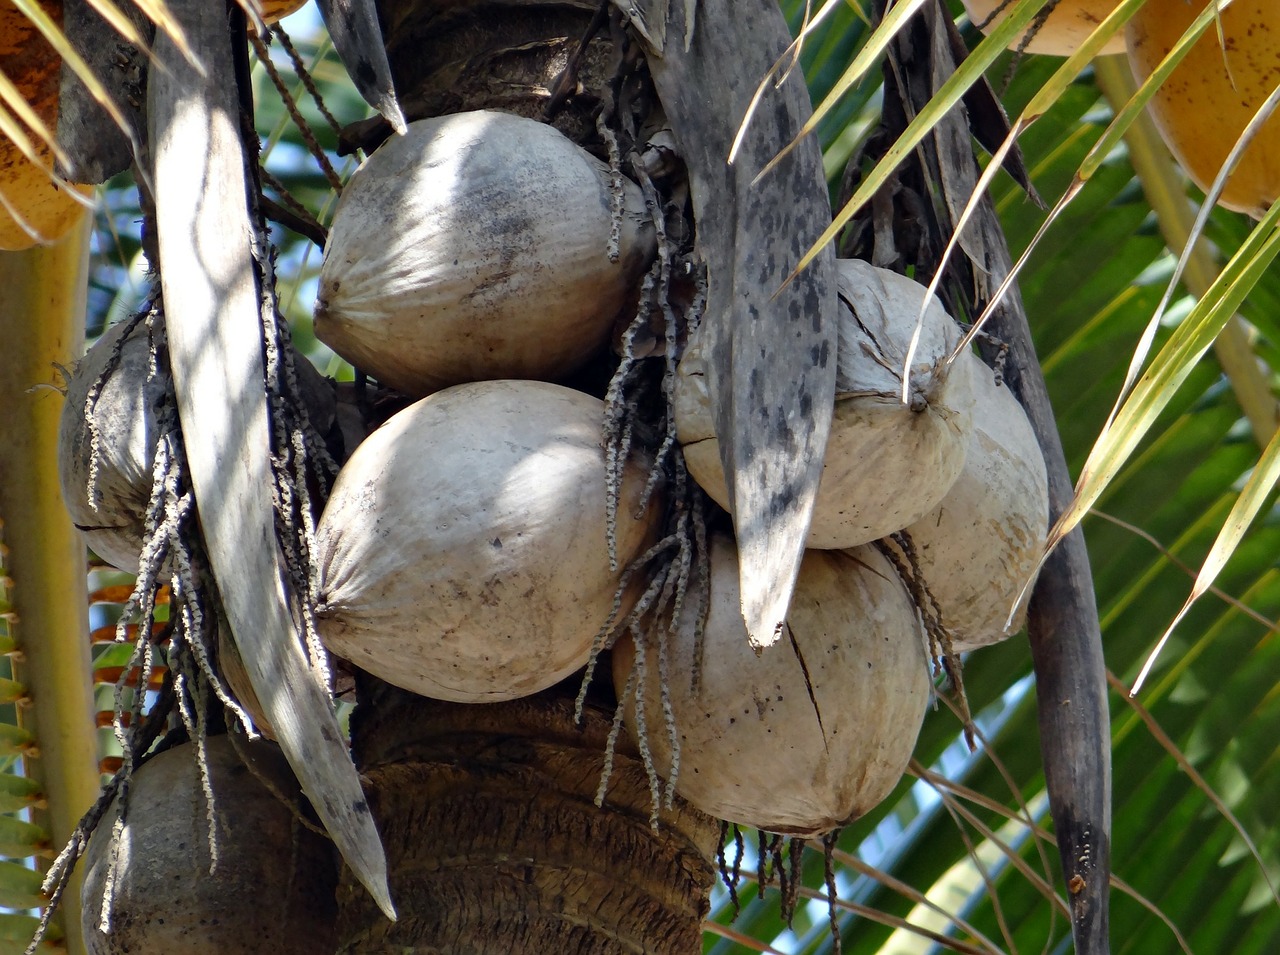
x: 495, y: 844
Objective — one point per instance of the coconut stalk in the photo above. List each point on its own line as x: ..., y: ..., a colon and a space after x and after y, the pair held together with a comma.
x: 215, y: 342
x: 42, y: 320
x: 1062, y: 621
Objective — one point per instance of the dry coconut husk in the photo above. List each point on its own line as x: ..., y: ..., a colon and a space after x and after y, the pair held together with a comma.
x: 978, y: 549
x: 463, y: 553
x: 271, y: 890
x: 887, y: 462
x: 813, y: 732
x: 479, y: 246
x: 108, y: 433
x: 35, y: 207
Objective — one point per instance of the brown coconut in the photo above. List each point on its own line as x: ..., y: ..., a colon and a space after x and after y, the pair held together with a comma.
x: 979, y: 548
x: 817, y: 729
x: 887, y: 463
x: 272, y: 889
x: 477, y: 247
x: 463, y: 552
x: 1063, y: 31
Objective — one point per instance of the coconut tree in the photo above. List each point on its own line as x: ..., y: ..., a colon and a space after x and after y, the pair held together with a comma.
x: 974, y: 851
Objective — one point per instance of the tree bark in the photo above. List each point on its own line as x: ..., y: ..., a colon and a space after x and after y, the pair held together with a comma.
x: 495, y: 844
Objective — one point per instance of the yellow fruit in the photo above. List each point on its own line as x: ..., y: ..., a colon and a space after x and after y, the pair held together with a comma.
x: 273, y: 10
x: 1202, y: 109
x: 26, y: 190
x: 1066, y: 28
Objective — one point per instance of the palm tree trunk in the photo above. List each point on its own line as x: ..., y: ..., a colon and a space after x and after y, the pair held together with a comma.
x: 495, y: 844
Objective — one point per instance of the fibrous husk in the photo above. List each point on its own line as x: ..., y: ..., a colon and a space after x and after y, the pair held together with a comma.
x: 1063, y: 31
x: 817, y: 729
x: 463, y: 552
x: 272, y: 889
x: 978, y: 549
x: 1202, y: 108
x: 124, y: 415
x: 29, y: 195
x: 887, y: 462
x: 478, y: 246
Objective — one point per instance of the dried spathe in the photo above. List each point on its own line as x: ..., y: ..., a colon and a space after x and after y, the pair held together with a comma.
x: 463, y: 552
x: 814, y: 731
x: 479, y: 246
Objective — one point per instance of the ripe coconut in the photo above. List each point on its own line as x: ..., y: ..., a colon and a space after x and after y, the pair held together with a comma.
x: 978, y: 548
x: 272, y: 889
x: 1205, y: 104
x: 124, y: 416
x: 817, y: 729
x: 28, y: 196
x: 887, y: 463
x: 477, y: 247
x: 463, y: 552
x: 1066, y: 27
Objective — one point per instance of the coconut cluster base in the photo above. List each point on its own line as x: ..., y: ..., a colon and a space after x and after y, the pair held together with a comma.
x: 494, y: 842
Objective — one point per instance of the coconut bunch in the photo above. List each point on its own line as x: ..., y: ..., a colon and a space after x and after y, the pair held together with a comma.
x: 479, y: 246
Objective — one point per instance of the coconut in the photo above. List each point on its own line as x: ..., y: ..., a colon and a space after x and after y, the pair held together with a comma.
x: 463, y: 552
x: 887, y: 463
x: 29, y: 195
x: 478, y: 246
x: 1205, y: 104
x: 272, y: 888
x: 817, y: 729
x: 1063, y: 32
x: 124, y: 415
x: 111, y: 513
x: 978, y: 549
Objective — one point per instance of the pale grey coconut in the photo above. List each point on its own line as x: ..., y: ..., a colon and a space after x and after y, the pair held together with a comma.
x: 107, y: 445
x: 978, y: 549
x: 271, y: 890
x: 110, y: 508
x: 888, y: 461
x: 814, y: 731
x: 463, y: 553
x: 480, y: 245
